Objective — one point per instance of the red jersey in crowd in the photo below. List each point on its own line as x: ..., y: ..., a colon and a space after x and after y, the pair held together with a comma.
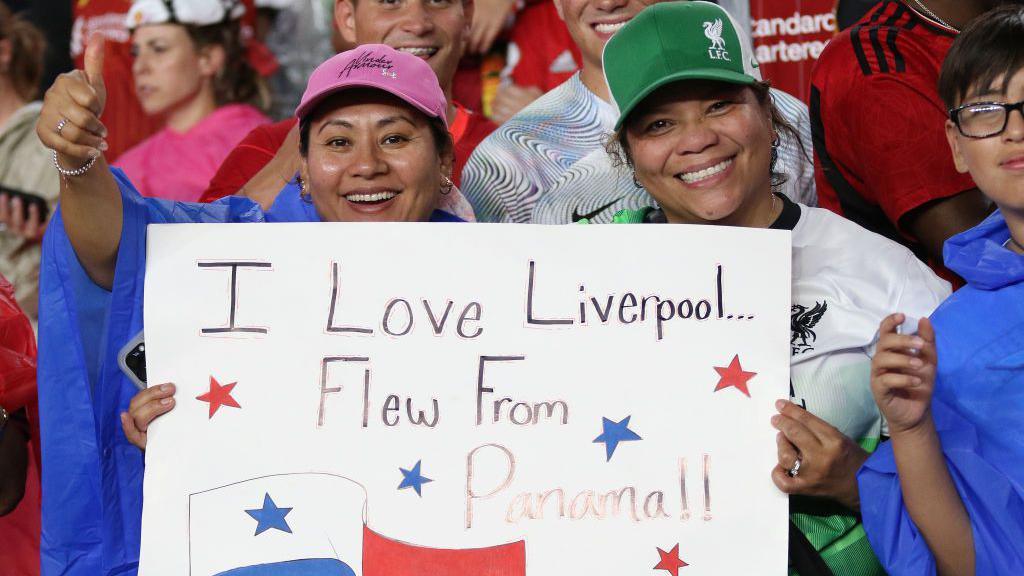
x: 541, y: 52
x: 258, y: 148
x: 878, y: 123
x: 19, y: 530
x: 126, y: 123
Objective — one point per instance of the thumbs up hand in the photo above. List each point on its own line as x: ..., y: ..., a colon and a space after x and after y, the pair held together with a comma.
x: 69, y: 121
x: 94, y: 71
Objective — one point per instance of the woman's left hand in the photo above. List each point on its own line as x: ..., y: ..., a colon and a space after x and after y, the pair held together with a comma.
x: 828, y: 459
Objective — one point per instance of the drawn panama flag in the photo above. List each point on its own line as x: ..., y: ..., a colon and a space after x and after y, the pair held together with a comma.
x: 313, y: 524
x: 310, y: 524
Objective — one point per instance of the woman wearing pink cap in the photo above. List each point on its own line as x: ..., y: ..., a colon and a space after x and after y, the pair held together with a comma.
x: 374, y: 147
x: 189, y: 69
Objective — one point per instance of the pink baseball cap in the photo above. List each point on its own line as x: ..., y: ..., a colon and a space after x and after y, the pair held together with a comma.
x: 377, y: 66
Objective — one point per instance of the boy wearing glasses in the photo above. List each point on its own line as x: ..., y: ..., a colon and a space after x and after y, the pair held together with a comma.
x: 946, y: 494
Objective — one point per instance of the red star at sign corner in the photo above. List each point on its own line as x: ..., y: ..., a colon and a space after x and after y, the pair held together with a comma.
x: 670, y: 561
x: 218, y: 396
x: 734, y: 375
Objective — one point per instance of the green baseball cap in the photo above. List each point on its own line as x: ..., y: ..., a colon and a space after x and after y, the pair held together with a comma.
x: 673, y: 41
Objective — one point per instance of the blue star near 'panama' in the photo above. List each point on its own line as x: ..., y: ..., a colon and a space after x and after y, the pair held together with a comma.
x: 413, y: 479
x: 615, y: 432
x: 270, y: 516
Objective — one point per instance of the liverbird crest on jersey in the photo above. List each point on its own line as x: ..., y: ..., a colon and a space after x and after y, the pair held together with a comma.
x: 800, y: 324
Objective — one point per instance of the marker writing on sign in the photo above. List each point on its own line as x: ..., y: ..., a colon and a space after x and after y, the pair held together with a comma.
x: 626, y: 307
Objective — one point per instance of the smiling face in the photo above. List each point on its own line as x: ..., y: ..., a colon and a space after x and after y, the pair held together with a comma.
x: 430, y: 29
x: 703, y: 151
x: 168, y: 69
x: 592, y: 22
x: 996, y: 163
x: 373, y: 158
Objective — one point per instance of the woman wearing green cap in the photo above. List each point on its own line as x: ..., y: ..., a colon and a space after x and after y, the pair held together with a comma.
x: 698, y: 128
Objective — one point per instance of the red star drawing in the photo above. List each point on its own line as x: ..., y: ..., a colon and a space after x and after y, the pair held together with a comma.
x: 218, y: 396
x: 670, y: 561
x: 734, y: 375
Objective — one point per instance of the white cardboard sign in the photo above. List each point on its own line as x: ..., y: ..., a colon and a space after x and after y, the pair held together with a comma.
x: 386, y: 399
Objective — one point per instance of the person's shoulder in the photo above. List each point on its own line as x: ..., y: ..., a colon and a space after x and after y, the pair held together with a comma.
x: 23, y: 118
x: 822, y: 230
x: 258, y: 146
x: 234, y: 122
x: 550, y: 118
x: 241, y: 111
x: 269, y: 136
x: 791, y: 107
x: 443, y: 216
x: 889, y: 41
x: 551, y: 107
x: 868, y: 269
x: 139, y: 152
x: 977, y: 327
x: 19, y: 132
x: 479, y: 126
x: 245, y: 114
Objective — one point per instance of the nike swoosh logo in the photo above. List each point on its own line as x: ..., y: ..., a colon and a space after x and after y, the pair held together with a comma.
x: 576, y: 216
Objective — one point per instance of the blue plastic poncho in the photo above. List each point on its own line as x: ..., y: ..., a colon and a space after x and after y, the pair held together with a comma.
x: 92, y: 475
x: 978, y: 407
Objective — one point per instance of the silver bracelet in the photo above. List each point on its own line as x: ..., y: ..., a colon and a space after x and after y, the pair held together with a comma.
x: 77, y: 171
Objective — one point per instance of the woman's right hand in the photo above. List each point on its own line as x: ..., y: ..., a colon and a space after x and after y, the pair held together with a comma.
x: 145, y: 407
x: 77, y: 97
x: 903, y: 374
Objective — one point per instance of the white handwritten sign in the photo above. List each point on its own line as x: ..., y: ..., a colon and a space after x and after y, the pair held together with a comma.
x: 385, y: 399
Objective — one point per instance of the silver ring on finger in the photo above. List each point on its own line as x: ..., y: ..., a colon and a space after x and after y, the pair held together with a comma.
x: 60, y: 125
x: 795, y: 470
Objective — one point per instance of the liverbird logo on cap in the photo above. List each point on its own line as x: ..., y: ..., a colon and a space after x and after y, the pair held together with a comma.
x: 370, y: 60
x: 713, y: 30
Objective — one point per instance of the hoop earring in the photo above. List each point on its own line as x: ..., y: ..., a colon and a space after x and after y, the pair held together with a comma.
x: 446, y: 185
x: 637, y: 182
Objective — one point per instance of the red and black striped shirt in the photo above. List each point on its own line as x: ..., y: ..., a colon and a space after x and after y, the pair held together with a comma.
x: 878, y: 122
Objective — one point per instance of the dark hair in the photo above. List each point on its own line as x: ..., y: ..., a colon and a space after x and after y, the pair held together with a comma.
x: 238, y: 81
x: 442, y: 138
x: 990, y: 48
x: 618, y: 147
x: 27, y: 48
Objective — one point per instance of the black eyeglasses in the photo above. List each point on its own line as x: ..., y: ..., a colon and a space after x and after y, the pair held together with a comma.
x: 983, y: 119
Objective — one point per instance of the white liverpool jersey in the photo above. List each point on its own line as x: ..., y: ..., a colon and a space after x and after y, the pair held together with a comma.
x: 845, y: 281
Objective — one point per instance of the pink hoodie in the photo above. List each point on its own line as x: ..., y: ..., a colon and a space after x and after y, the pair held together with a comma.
x: 177, y: 166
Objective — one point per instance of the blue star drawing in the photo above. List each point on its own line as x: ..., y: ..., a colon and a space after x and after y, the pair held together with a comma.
x: 270, y: 516
x: 615, y: 432
x: 413, y: 479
